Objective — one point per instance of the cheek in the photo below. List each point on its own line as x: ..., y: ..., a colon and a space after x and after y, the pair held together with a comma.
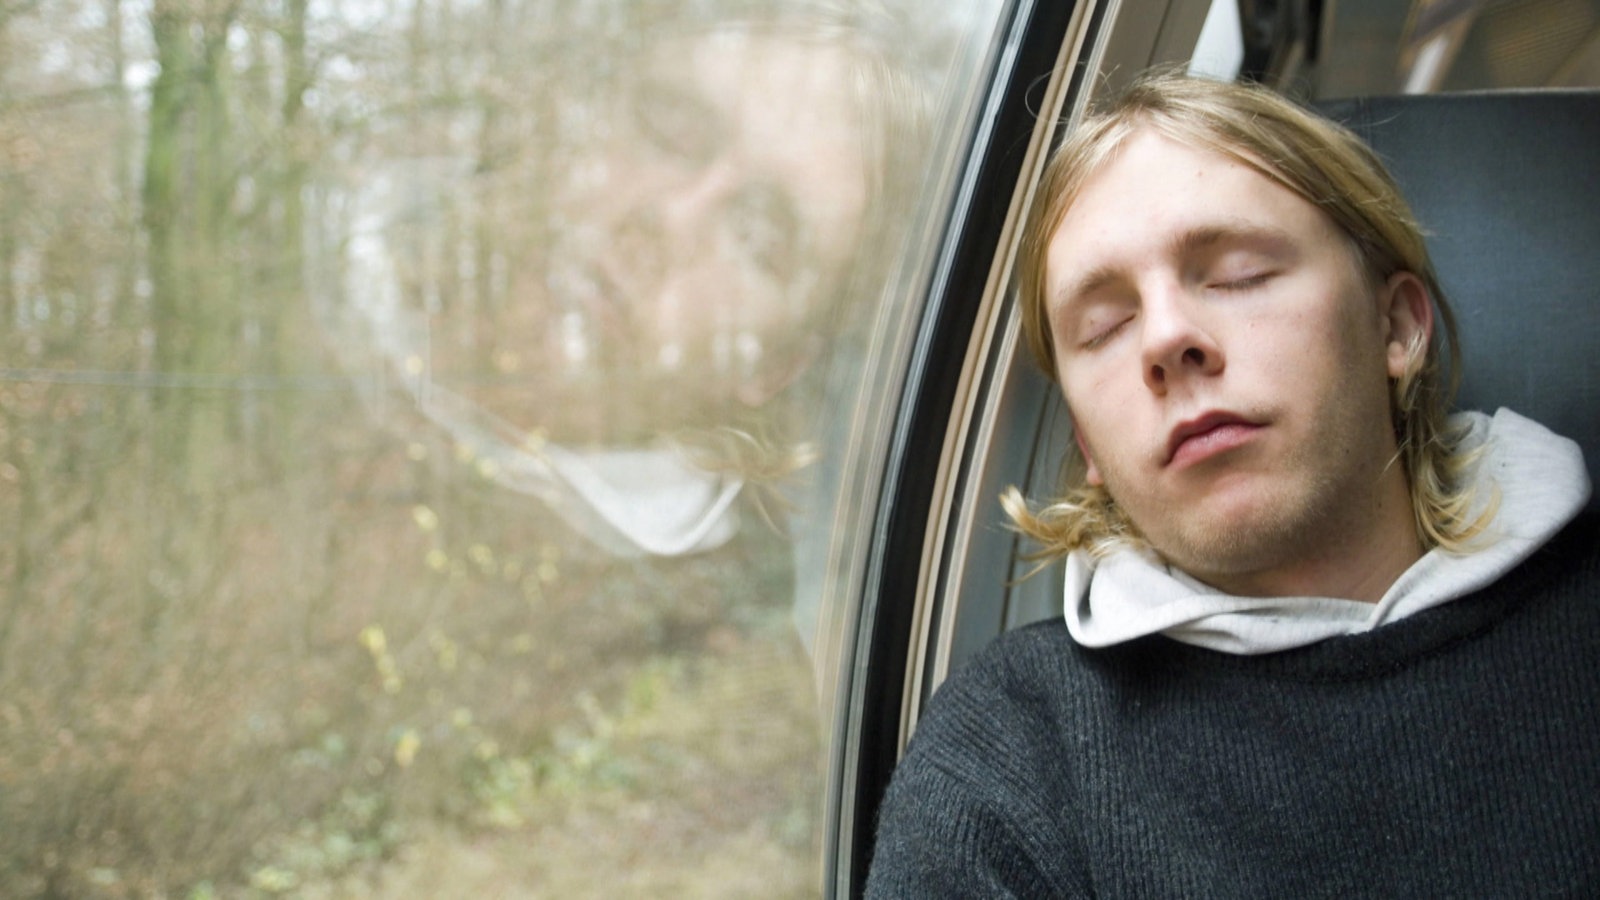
x: 832, y: 202
x: 1099, y: 386
x: 1332, y: 366
x: 1091, y: 472
x: 1359, y: 350
x: 1091, y: 414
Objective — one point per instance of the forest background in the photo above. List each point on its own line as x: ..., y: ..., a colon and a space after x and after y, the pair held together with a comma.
x: 266, y: 632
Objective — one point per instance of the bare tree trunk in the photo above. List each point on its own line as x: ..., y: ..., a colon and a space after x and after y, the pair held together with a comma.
x: 195, y: 318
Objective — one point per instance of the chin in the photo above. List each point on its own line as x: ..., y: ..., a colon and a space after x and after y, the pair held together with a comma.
x: 1246, y: 535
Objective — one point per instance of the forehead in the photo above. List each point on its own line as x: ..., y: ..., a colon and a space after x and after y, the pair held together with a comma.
x: 766, y: 108
x: 761, y: 85
x: 1155, y: 196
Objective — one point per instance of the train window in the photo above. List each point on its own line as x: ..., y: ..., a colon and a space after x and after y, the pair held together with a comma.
x: 438, y: 440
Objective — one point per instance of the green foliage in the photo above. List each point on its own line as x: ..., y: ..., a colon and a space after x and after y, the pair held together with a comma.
x: 358, y: 829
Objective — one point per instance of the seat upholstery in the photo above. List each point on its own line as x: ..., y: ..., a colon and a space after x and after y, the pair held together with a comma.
x: 1507, y: 187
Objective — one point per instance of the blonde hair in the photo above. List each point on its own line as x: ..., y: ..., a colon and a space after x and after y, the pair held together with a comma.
x: 1331, y: 168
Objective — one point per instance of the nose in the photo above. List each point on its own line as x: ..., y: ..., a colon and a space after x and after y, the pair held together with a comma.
x: 672, y: 269
x: 661, y: 223
x: 660, y: 230
x: 687, y: 207
x: 1177, y: 342
x: 663, y: 228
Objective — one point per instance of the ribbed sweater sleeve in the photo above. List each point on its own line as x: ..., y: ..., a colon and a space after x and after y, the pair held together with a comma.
x: 965, y: 814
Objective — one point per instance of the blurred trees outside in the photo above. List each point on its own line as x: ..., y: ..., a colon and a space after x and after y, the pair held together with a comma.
x: 255, y: 640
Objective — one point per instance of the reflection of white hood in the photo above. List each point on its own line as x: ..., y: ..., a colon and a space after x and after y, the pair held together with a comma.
x: 1542, y: 484
x: 632, y: 502
x: 649, y: 501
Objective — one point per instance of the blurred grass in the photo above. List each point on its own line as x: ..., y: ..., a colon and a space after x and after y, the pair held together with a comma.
x: 351, y: 667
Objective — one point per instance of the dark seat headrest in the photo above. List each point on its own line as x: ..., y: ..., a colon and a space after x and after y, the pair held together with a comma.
x: 1507, y: 187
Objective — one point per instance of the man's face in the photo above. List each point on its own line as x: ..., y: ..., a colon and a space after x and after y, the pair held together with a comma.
x: 1226, y: 363
x: 674, y: 240
x: 710, y: 224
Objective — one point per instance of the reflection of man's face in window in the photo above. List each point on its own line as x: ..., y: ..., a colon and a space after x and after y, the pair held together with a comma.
x: 701, y: 237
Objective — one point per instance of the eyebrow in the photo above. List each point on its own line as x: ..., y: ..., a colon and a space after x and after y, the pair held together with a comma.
x: 1190, y: 241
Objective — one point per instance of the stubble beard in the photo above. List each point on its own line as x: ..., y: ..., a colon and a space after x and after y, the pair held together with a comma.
x: 1285, y: 524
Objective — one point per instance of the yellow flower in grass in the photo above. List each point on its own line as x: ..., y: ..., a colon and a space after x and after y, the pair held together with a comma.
x: 372, y: 638
x: 405, y: 748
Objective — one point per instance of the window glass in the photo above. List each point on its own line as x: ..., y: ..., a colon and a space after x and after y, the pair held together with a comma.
x: 436, y: 438
x: 1425, y: 46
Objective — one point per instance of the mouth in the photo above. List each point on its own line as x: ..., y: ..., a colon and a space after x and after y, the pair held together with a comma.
x: 1202, y: 437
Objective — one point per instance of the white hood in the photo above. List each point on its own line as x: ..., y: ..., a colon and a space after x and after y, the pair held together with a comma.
x: 1542, y: 485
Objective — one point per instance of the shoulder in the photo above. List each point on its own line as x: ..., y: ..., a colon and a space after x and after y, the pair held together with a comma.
x: 1559, y: 585
x: 972, y: 807
x: 1568, y: 565
x: 1031, y: 689
x: 998, y: 701
x: 1015, y: 683
x: 1579, y: 541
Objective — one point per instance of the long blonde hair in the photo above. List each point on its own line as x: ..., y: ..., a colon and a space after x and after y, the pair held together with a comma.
x: 1328, y: 166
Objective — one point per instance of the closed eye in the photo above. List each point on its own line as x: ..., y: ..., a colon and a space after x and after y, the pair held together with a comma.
x: 1243, y: 284
x: 1100, y: 336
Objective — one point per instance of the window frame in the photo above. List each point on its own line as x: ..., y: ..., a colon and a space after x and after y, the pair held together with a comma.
x: 942, y: 567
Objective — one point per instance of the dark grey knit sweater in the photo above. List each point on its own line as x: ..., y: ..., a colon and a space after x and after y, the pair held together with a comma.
x: 1455, y: 753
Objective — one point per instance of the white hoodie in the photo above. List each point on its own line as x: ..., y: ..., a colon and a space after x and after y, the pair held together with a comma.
x: 1543, y: 485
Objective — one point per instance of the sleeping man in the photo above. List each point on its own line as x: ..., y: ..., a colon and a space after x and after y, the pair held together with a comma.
x: 1320, y: 638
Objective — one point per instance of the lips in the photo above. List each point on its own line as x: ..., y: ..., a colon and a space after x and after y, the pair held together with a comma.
x: 1201, y: 437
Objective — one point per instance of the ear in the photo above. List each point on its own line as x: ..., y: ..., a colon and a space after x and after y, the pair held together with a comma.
x: 1091, y: 472
x: 1407, y: 312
